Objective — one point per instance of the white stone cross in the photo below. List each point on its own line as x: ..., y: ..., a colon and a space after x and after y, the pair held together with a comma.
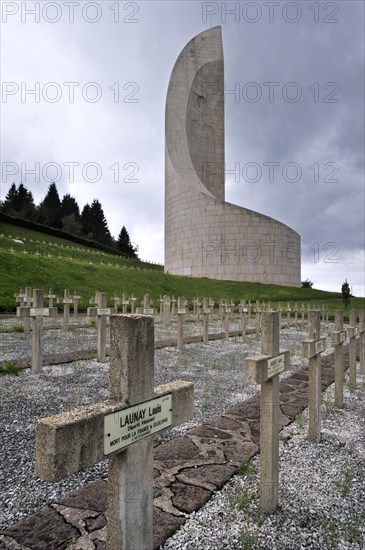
x: 102, y: 312
x: 352, y: 332
x: 312, y: 349
x: 265, y: 369
x: 338, y: 337
x: 181, y: 312
x: 206, y: 312
x: 37, y: 312
x: 243, y: 313
x: 66, y: 301
x: 50, y: 297
x: 75, y: 302
x: 125, y: 303
x: 147, y: 303
x: 362, y: 341
x: 25, y: 299
x: 75, y: 440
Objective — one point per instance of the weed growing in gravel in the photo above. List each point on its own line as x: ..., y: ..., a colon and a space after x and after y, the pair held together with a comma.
x: 330, y: 534
x: 11, y: 368
x: 18, y: 327
x: 300, y: 420
x: 249, y: 541
x: 345, y: 485
x: 352, y: 528
x: 245, y: 468
x: 326, y: 403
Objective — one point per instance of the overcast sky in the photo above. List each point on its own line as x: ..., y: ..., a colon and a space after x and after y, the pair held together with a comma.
x: 294, y: 132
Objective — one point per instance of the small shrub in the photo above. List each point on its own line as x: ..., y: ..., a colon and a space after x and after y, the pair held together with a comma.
x: 18, y: 327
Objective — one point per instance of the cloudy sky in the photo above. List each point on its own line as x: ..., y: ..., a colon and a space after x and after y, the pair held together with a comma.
x: 83, y: 99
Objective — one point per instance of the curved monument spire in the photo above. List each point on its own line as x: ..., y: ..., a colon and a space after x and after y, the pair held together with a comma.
x: 204, y: 235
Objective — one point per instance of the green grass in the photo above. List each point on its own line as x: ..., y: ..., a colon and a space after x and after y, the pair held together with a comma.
x: 87, y: 270
x: 10, y: 368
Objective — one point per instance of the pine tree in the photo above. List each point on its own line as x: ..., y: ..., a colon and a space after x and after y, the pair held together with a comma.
x: 100, y: 228
x: 10, y: 200
x: 94, y: 224
x: 70, y: 206
x: 346, y: 293
x: 86, y: 222
x: 25, y: 203
x: 50, y: 208
x: 124, y: 244
x: 70, y: 215
x: 19, y: 202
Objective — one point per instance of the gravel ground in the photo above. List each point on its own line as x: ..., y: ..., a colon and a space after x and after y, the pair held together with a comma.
x: 216, y: 370
x: 321, y: 493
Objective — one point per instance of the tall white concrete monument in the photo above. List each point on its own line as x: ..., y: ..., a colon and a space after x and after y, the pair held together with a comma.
x: 205, y: 236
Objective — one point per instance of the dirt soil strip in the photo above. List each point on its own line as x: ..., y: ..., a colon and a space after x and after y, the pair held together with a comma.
x: 186, y: 472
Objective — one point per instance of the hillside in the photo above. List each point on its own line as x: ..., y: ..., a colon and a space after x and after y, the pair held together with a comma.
x: 29, y: 258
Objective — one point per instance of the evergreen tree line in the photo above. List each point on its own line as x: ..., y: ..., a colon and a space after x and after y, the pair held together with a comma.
x: 65, y: 214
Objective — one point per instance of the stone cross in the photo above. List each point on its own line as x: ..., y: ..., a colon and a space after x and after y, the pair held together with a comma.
x: 166, y: 312
x: 288, y: 310
x: 37, y: 312
x: 133, y: 303
x: 312, y: 349
x: 75, y: 440
x: 243, y: 314
x: 337, y: 339
x: 50, y: 297
x: 264, y: 369
x: 181, y: 312
x: 125, y: 303
x: 75, y: 302
x: 116, y: 301
x: 362, y: 341
x: 66, y: 301
x: 303, y: 314
x: 206, y: 313
x: 102, y: 312
x: 352, y: 332
x: 91, y: 311
x: 24, y: 307
x: 227, y: 317
x: 296, y: 315
x: 147, y: 302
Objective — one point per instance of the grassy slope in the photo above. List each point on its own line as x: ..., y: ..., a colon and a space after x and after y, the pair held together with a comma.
x: 74, y: 271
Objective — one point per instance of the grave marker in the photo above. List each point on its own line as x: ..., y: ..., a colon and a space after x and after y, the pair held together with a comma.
x: 243, y: 314
x: 23, y: 310
x: 362, y: 341
x: 288, y: 310
x: 337, y: 339
x: 102, y: 312
x: 166, y: 311
x: 181, y: 312
x: 125, y: 303
x: 147, y: 302
x: 50, y: 297
x: 133, y: 303
x: 72, y: 441
x: 206, y: 313
x: 312, y: 349
x: 66, y: 301
x: 37, y: 312
x: 352, y: 332
x: 75, y: 302
x: 264, y: 369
